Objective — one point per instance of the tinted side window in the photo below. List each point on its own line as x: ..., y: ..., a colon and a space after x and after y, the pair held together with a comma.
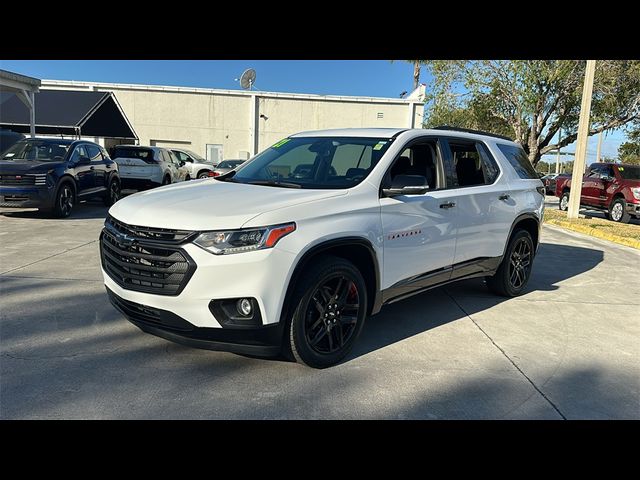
x: 77, y: 153
x: 518, y: 160
x: 473, y: 164
x: 94, y: 153
x: 489, y: 165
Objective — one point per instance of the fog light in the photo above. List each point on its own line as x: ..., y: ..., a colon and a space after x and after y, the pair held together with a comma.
x: 244, y: 307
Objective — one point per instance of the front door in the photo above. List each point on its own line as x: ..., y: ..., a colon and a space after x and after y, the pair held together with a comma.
x: 483, y: 202
x: 419, y: 230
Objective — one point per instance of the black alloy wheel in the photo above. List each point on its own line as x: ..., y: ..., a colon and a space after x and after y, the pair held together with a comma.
x: 520, y: 263
x: 113, y: 194
x: 64, y: 201
x: 330, y: 302
x: 332, y: 314
x: 514, y: 271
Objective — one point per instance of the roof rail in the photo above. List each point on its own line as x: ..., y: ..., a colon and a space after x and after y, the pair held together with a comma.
x: 469, y: 130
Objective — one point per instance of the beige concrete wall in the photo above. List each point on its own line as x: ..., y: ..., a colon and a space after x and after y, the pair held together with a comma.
x: 192, y: 119
x: 288, y: 116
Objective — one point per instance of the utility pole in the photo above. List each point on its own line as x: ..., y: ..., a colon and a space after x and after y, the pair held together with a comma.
x: 558, y: 154
x: 599, y: 146
x: 581, y: 146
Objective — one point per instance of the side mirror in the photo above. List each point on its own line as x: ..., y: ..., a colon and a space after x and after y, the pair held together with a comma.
x: 83, y: 161
x: 407, y: 185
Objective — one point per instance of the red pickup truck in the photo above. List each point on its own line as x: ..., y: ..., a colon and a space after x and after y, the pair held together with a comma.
x: 611, y: 187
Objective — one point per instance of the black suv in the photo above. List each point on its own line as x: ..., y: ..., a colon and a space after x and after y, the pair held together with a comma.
x: 54, y: 174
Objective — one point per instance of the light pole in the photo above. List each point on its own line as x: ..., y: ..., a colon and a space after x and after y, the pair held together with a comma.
x: 581, y: 146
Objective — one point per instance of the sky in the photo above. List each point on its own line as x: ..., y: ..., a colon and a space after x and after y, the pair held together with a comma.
x: 371, y: 78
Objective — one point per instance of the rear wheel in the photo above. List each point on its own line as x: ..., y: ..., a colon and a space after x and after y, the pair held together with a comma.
x: 64, y: 201
x: 564, y: 202
x: 618, y: 211
x: 113, y: 193
x: 166, y: 180
x: 513, y: 274
x: 330, y: 304
x: 203, y: 175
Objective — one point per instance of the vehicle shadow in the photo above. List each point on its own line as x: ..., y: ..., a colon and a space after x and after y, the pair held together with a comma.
x: 429, y: 310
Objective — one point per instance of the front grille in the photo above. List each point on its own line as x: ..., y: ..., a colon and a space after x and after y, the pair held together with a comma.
x: 15, y: 198
x: 163, y: 235
x: 136, y: 262
x: 17, y: 179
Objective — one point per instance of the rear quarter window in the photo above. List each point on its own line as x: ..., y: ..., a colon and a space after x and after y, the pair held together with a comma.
x: 518, y: 159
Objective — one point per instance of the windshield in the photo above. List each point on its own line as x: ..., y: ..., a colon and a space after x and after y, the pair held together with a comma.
x: 314, y: 162
x: 195, y: 156
x: 36, y: 151
x: 630, y: 172
x: 230, y: 163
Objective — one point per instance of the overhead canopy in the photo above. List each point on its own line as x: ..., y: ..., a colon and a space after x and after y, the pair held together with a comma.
x: 68, y: 112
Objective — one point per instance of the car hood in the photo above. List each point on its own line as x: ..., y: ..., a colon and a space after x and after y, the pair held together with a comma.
x: 209, y: 204
x: 26, y: 166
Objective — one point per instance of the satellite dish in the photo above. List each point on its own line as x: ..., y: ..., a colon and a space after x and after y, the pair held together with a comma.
x: 248, y: 78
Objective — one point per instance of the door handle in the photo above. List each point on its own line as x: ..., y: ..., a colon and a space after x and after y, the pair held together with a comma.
x: 447, y: 205
x: 504, y: 196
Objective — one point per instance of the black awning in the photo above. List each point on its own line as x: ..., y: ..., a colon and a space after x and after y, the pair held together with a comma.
x: 68, y: 112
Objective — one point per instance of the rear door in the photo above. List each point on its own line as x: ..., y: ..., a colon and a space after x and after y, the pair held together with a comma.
x: 590, y: 184
x: 485, y: 210
x: 98, y: 166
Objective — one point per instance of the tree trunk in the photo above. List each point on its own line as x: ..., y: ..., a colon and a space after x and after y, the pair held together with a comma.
x: 416, y: 75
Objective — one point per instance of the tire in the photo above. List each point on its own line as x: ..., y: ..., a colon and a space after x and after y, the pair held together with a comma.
x: 564, y: 202
x: 113, y: 193
x: 204, y: 174
x: 618, y: 211
x: 506, y: 281
x: 187, y: 178
x: 64, y: 201
x: 166, y: 180
x: 322, y: 329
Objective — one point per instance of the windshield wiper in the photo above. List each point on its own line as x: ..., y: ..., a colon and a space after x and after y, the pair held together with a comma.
x: 275, y: 183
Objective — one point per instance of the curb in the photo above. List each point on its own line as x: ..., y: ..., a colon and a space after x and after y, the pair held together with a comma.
x: 594, y: 232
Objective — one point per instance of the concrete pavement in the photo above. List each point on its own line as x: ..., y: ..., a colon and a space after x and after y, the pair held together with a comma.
x: 568, y: 348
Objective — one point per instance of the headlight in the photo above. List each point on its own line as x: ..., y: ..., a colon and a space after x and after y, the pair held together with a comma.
x: 636, y: 192
x: 246, y: 240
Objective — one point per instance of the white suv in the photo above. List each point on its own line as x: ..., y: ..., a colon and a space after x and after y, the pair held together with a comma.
x: 194, y: 164
x: 294, y: 249
x: 146, y: 167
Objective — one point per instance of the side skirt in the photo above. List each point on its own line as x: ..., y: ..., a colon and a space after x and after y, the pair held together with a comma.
x: 478, y: 267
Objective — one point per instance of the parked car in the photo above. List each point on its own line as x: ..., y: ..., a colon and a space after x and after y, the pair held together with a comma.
x: 610, y: 187
x: 53, y: 175
x: 226, y: 166
x: 195, y: 165
x: 146, y: 167
x: 383, y: 214
x: 8, y: 138
x: 549, y: 182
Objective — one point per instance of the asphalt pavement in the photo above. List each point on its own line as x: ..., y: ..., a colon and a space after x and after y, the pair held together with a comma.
x: 567, y: 349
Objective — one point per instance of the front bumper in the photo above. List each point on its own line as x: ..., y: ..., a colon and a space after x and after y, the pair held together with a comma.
x: 260, y: 341
x: 26, y: 197
x: 633, y: 209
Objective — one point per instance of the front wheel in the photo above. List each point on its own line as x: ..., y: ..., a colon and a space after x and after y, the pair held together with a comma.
x: 330, y: 304
x: 64, y: 201
x: 515, y: 269
x: 564, y: 202
x: 618, y: 211
x: 203, y: 175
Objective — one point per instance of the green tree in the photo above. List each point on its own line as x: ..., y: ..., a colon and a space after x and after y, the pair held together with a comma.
x: 629, y: 152
x: 531, y: 100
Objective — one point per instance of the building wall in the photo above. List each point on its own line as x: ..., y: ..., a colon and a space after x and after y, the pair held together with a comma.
x: 193, y: 118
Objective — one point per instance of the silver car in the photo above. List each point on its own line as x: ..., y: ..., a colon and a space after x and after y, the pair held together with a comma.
x: 226, y: 166
x: 193, y: 164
